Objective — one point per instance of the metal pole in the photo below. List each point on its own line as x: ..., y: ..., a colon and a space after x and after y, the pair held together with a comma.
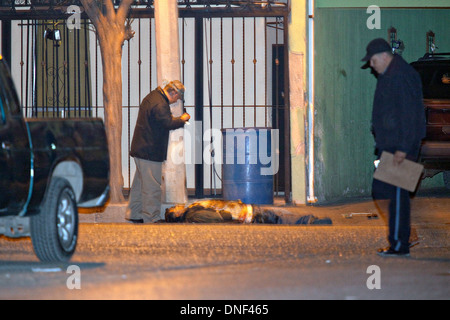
x: 199, y: 184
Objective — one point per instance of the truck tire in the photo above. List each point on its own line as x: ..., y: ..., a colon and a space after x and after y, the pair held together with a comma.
x: 54, y: 230
x: 447, y: 179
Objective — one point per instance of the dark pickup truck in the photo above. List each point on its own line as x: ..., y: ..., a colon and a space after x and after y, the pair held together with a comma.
x: 48, y: 168
x: 434, y: 70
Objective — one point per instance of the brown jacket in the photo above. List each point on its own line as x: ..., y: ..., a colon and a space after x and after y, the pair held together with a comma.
x: 151, y: 135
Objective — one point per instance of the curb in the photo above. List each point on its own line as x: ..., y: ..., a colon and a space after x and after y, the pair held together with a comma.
x: 112, y: 213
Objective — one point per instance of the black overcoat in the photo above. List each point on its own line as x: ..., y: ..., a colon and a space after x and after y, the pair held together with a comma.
x: 398, y: 117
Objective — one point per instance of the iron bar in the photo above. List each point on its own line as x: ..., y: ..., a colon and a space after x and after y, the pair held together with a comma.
x: 65, y: 68
x: 68, y: 73
x: 221, y: 73
x: 183, y: 61
x: 45, y: 65
x: 34, y: 68
x: 87, y: 92
x: 150, y: 52
x: 254, y: 72
x: 210, y: 79
x: 287, y: 118
x: 75, y: 58
x: 139, y: 60
x: 96, y: 74
x: 54, y: 75
x: 243, y: 70
x: 79, y: 71
x: 21, y: 63
x: 27, y: 69
x: 265, y: 72
x: 276, y: 112
x: 232, y: 72
x: 199, y: 103
x: 129, y: 111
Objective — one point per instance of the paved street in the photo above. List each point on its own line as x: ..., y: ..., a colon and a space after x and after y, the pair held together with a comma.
x: 234, y: 261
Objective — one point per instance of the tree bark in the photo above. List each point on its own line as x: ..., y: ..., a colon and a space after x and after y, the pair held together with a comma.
x: 112, y: 32
x: 111, y: 51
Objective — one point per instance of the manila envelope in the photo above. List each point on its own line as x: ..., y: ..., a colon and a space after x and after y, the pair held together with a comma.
x: 406, y: 175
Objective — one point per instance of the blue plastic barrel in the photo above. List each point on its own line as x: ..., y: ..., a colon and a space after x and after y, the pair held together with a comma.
x: 247, y: 168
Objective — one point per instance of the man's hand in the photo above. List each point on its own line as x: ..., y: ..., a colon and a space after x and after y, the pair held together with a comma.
x: 399, y: 156
x: 185, y: 117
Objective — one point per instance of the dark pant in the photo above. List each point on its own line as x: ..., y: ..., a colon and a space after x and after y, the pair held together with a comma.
x: 399, y: 213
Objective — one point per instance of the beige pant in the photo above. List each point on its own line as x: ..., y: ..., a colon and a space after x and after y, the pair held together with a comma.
x: 145, y: 195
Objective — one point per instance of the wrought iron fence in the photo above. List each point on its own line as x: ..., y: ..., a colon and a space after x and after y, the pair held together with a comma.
x: 233, y: 60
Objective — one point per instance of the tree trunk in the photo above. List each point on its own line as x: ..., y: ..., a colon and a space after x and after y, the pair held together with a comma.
x: 112, y: 32
x: 111, y: 51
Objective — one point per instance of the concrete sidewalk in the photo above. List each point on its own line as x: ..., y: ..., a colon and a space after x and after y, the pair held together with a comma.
x: 426, y: 211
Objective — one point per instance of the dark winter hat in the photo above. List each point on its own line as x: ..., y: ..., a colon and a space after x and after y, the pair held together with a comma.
x: 376, y: 46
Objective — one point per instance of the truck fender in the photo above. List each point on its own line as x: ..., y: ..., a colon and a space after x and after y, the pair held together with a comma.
x: 70, y: 170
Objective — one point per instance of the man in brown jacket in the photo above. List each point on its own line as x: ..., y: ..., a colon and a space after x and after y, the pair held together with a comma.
x: 149, y: 150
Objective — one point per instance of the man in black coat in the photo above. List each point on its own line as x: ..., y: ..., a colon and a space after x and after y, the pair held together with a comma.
x: 398, y: 125
x: 149, y: 150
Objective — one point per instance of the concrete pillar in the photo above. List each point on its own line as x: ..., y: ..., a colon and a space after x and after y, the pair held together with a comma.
x: 297, y: 81
x: 168, y: 68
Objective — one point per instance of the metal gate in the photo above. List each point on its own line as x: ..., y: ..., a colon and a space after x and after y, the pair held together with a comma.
x: 233, y: 63
x: 56, y: 69
x: 237, y: 83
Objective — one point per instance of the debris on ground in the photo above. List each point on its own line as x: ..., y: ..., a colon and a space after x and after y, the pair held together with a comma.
x: 360, y: 214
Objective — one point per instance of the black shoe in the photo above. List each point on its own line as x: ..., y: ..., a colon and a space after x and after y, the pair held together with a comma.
x: 136, y: 220
x: 388, y: 252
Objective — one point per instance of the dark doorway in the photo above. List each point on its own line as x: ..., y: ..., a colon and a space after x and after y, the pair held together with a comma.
x: 278, y: 110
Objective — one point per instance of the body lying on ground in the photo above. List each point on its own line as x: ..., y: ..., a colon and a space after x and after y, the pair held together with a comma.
x: 219, y: 211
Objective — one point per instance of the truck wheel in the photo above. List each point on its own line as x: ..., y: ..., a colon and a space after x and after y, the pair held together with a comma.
x: 54, y: 230
x: 447, y: 179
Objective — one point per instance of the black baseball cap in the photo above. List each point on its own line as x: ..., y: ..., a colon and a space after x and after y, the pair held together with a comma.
x: 376, y: 46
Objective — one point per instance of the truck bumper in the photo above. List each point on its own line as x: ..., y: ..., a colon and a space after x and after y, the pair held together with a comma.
x: 436, y: 155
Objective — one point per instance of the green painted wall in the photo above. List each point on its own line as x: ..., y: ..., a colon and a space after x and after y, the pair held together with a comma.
x: 344, y: 92
x: 382, y: 3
